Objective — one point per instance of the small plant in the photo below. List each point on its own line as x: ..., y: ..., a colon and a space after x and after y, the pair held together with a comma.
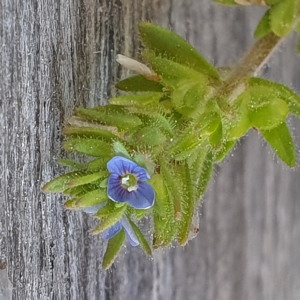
x: 154, y: 149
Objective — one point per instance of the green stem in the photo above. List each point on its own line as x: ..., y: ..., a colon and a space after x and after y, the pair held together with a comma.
x: 249, y: 66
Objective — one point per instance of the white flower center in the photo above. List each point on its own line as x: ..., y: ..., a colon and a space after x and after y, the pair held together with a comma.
x: 129, y: 182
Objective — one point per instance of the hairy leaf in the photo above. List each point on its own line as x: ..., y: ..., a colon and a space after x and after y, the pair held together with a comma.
x: 282, y: 17
x: 163, y: 213
x: 280, y: 91
x: 264, y: 26
x: 139, y: 83
x: 111, y: 116
x: 120, y: 150
x: 226, y: 148
x: 168, y: 44
x: 87, y: 179
x: 169, y: 172
x: 137, y: 100
x: 174, y: 74
x: 114, y: 246
x: 270, y: 115
x: 72, y: 164
x: 89, y: 132
x: 110, y: 219
x: 87, y: 200
x: 153, y: 118
x: 59, y: 184
x: 143, y: 242
x: 149, y: 136
x: 111, y: 208
x: 92, y: 147
x: 281, y: 141
x: 188, y: 206
x: 96, y: 165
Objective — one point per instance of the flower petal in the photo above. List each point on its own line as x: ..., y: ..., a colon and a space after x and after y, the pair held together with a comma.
x: 131, y: 236
x: 120, y: 165
x: 112, y: 231
x: 94, y: 209
x: 115, y: 191
x: 143, y: 197
x: 141, y: 173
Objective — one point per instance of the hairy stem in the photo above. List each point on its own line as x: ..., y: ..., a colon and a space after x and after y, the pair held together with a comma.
x: 249, y: 66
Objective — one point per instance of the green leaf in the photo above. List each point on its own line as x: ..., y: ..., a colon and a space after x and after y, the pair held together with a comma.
x: 209, y: 122
x: 137, y: 100
x: 168, y: 44
x: 87, y: 179
x: 143, y: 242
x: 281, y: 141
x: 72, y: 164
x: 110, y: 209
x: 120, y: 150
x: 264, y: 26
x: 269, y: 116
x: 188, y: 207
x: 92, y: 147
x: 59, y: 184
x: 88, y: 132
x: 96, y: 165
x: 189, y: 97
x: 110, y: 219
x: 81, y: 189
x: 163, y: 213
x: 282, y: 16
x: 201, y: 167
x: 111, y: 116
x: 225, y: 150
x: 139, y: 83
x: 215, y: 138
x: 114, y: 246
x: 150, y: 118
x: 149, y: 136
x: 87, y: 200
x: 280, y: 91
x: 174, y: 74
x: 170, y: 173
x: 185, y: 144
x: 239, y: 126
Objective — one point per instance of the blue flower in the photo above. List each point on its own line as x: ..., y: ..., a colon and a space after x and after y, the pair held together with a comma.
x: 127, y: 184
x: 114, y: 230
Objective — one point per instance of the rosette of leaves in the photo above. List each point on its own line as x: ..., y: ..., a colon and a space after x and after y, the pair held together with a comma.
x: 176, y: 125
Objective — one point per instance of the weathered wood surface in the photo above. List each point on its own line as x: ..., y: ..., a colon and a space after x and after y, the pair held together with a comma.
x: 57, y: 55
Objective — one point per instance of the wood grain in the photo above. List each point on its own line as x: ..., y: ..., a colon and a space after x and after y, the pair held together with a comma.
x: 58, y: 55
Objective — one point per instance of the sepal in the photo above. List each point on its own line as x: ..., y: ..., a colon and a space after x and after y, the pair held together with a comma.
x: 142, y: 240
x: 113, y: 215
x: 114, y: 246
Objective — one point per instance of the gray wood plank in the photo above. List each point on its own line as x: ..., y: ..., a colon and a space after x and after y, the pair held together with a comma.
x: 57, y: 55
